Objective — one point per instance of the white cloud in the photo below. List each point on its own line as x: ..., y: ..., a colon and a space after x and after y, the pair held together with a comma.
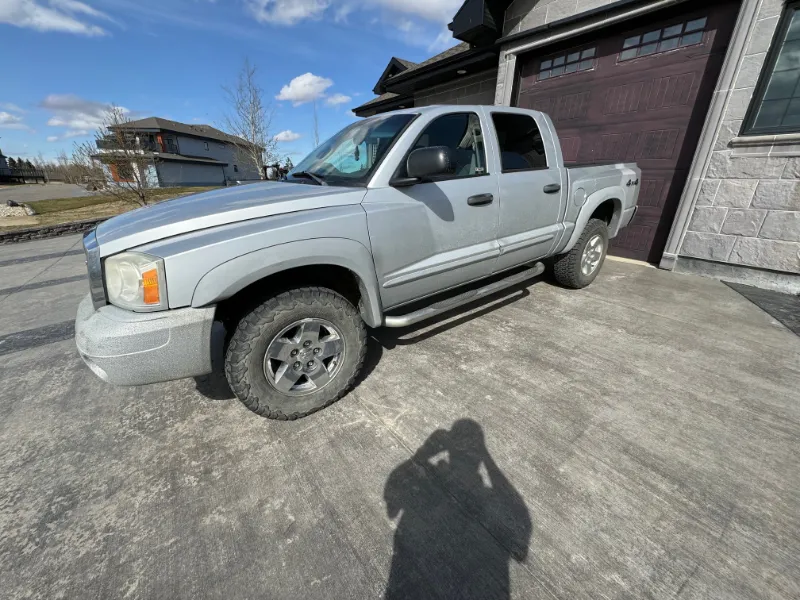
x: 287, y: 136
x: 75, y: 113
x: 337, y: 99
x: 67, y: 16
x: 290, y: 12
x: 9, y: 121
x: 286, y: 12
x: 11, y: 107
x: 305, y: 88
x: 52, y: 138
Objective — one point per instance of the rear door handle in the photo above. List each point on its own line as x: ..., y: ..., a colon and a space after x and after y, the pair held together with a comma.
x: 552, y: 188
x: 480, y: 200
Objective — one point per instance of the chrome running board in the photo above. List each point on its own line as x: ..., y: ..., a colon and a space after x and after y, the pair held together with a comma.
x: 468, y: 296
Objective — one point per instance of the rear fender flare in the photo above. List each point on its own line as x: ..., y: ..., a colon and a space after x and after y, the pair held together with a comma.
x: 231, y: 277
x: 614, y: 193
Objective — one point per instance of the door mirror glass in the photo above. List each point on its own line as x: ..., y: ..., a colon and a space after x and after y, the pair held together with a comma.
x: 424, y: 163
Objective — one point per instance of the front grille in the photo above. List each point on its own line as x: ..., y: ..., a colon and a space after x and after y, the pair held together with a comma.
x: 95, y: 268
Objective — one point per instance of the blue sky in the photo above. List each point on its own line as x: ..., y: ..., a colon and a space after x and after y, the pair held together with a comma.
x: 67, y: 60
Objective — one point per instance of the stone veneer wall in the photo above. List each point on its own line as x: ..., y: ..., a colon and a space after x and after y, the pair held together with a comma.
x: 522, y: 15
x: 747, y: 210
x: 471, y: 89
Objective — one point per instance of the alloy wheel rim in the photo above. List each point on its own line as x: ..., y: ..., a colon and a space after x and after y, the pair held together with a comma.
x: 592, y: 255
x: 304, y: 357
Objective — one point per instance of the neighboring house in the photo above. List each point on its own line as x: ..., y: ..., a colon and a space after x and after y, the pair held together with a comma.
x: 178, y: 154
x: 705, y: 97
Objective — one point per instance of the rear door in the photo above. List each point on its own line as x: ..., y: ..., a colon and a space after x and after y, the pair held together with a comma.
x: 435, y: 235
x: 531, y: 188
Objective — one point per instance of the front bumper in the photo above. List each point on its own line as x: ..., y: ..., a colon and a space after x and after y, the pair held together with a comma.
x: 128, y: 348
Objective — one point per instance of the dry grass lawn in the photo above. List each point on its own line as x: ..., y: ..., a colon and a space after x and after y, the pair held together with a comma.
x: 68, y: 210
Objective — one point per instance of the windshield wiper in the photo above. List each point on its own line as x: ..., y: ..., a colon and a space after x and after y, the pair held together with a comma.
x: 312, y: 176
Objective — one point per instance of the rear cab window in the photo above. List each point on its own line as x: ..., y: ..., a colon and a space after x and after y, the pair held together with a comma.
x: 520, y: 142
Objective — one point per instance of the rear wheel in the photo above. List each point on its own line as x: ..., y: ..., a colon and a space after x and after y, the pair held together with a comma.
x: 579, y: 267
x: 296, y: 353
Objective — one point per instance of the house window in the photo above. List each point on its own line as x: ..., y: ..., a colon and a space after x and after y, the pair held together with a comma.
x: 206, y: 145
x: 775, y: 107
x: 661, y: 40
x: 521, y: 145
x: 573, y: 62
x: 235, y: 168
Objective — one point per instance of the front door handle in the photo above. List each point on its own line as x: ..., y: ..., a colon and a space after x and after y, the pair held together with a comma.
x: 552, y: 188
x: 480, y: 200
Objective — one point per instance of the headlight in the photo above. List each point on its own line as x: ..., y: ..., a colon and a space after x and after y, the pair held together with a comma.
x: 136, y: 281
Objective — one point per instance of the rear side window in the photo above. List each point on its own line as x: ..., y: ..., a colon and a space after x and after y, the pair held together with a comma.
x: 521, y: 145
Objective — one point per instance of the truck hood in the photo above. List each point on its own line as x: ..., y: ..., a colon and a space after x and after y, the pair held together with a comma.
x: 220, y: 207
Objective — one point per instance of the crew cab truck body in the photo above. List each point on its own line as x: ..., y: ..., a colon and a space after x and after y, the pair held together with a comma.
x: 399, y: 209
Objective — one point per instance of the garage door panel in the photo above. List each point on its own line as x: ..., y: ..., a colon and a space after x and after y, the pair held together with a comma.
x: 635, y: 103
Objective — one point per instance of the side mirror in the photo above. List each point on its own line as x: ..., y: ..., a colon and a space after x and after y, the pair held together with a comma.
x: 428, y: 162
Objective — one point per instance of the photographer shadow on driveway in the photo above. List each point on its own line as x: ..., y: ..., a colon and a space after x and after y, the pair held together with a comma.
x: 460, y: 524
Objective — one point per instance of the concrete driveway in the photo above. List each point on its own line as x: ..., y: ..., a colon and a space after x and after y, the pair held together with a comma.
x: 638, y: 439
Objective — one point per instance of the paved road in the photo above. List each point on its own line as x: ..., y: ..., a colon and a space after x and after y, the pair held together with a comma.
x: 638, y: 439
x: 34, y: 192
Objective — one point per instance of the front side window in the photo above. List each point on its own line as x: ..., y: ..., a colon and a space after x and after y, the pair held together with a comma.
x: 352, y: 155
x: 461, y: 133
x: 775, y: 107
x: 662, y: 40
x: 521, y: 145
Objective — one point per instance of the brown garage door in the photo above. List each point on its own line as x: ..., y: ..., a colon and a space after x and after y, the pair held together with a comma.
x: 639, y: 93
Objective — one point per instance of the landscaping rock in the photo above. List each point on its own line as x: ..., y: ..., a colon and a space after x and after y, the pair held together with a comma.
x: 49, y: 231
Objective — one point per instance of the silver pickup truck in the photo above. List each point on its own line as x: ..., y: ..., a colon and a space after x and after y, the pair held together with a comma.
x: 381, y: 225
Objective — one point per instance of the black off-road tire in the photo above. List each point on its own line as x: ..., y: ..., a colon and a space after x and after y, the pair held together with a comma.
x: 567, y: 267
x: 244, y: 368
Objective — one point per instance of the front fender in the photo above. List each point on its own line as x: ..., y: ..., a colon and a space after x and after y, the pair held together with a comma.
x: 233, y: 276
x: 615, y: 193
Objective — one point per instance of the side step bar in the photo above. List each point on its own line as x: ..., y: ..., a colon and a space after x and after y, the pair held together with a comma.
x: 465, y: 298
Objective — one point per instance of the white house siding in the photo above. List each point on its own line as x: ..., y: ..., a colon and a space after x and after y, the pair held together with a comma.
x: 739, y: 216
x: 472, y: 89
x: 175, y: 174
x: 190, y: 146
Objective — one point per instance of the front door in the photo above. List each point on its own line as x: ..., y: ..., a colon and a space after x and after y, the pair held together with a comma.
x: 440, y: 234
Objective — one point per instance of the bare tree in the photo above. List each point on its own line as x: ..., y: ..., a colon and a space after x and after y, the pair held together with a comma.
x: 117, y: 159
x: 250, y: 119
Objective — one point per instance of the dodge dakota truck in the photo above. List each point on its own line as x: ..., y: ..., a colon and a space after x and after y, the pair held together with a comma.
x: 395, y: 219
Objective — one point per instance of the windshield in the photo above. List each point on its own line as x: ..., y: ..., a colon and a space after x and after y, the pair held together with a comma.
x: 350, y: 156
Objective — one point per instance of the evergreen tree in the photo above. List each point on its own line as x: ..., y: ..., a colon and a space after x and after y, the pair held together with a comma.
x: 29, y: 165
x: 12, y: 164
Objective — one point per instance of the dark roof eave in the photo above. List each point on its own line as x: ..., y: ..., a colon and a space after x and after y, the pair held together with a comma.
x: 404, y: 82
x: 389, y: 102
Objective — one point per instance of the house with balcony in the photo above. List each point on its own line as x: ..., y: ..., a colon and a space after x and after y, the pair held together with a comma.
x: 173, y: 154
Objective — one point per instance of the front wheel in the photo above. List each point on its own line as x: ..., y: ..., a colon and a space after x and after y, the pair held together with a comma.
x: 296, y: 353
x: 579, y: 267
